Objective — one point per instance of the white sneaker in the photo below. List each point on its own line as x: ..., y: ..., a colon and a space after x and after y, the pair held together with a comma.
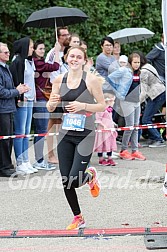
x: 29, y: 167
x: 115, y: 155
x: 22, y: 169
x: 44, y: 166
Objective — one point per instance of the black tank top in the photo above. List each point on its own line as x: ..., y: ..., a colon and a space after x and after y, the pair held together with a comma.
x: 80, y: 94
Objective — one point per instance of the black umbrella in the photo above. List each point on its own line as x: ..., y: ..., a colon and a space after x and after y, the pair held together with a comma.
x: 54, y: 17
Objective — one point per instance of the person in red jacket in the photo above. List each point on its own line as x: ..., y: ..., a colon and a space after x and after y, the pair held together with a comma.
x: 40, y: 113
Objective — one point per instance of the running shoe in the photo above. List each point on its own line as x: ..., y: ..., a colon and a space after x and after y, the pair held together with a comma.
x: 23, y: 170
x: 111, y: 162
x: 77, y: 223
x: 44, y: 166
x: 94, y: 184
x: 126, y: 155
x: 104, y: 162
x: 157, y: 144
x: 138, y: 155
x: 30, y: 167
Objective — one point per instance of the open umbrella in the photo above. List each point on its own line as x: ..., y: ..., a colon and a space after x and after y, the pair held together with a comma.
x: 131, y: 35
x: 53, y: 17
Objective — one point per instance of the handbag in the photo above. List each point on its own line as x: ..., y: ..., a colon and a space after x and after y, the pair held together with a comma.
x: 162, y: 81
x: 46, y: 91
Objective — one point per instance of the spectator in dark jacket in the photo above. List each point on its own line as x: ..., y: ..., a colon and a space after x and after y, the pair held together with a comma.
x: 157, y: 58
x: 8, y: 92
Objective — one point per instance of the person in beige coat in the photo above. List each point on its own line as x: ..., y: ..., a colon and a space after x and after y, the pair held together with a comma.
x: 153, y: 93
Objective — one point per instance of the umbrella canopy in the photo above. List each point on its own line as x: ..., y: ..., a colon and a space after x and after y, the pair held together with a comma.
x: 131, y: 35
x: 55, y: 17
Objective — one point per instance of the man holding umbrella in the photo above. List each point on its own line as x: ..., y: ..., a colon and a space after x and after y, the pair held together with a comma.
x: 63, y: 39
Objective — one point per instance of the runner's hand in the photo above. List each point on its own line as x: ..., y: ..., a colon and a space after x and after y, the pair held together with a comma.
x: 75, y: 106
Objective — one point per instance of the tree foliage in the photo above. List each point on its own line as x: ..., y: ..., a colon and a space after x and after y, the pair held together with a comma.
x: 105, y: 16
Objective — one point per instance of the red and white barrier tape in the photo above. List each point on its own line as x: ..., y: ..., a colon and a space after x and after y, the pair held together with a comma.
x: 144, y: 126
x: 29, y: 135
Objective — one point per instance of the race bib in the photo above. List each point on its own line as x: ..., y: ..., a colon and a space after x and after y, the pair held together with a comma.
x: 73, y: 122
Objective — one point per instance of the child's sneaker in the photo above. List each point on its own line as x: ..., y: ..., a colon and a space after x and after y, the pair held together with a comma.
x: 94, y: 184
x: 111, y: 162
x: 126, y: 155
x: 77, y: 223
x: 104, y: 162
x: 138, y: 155
x: 44, y: 166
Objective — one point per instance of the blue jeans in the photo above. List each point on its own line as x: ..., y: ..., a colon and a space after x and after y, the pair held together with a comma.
x: 22, y: 125
x: 151, y: 108
x: 41, y: 118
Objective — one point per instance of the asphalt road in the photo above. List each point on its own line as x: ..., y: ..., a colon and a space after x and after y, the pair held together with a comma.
x: 131, y: 197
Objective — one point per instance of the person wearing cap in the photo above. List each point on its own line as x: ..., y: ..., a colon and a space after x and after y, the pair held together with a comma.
x: 123, y: 60
x: 120, y: 65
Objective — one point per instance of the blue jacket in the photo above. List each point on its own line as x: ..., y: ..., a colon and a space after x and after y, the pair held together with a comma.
x: 120, y: 81
x: 7, y: 91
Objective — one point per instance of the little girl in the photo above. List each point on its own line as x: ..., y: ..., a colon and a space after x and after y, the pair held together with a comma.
x: 105, y: 141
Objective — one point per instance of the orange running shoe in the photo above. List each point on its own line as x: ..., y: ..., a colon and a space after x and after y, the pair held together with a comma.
x: 138, y: 155
x: 94, y: 184
x: 125, y: 155
x: 77, y: 223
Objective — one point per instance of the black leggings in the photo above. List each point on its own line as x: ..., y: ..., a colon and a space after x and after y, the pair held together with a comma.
x: 74, y: 153
x: 100, y: 154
